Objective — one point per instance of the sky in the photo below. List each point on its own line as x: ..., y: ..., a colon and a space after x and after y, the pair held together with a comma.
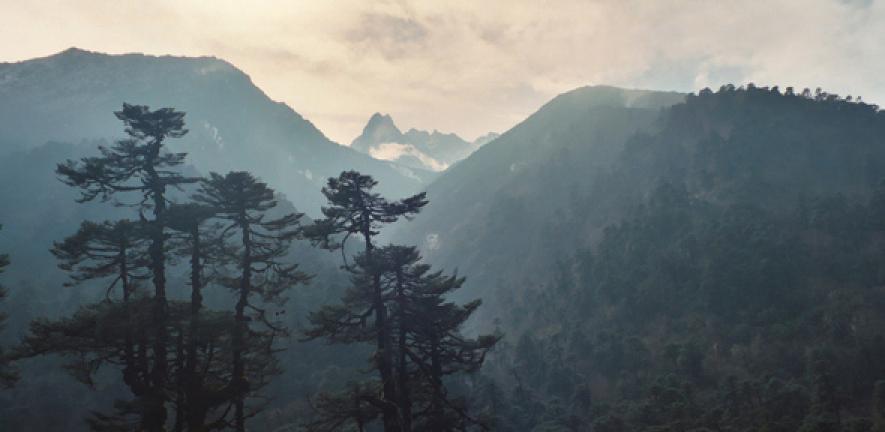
x: 472, y: 67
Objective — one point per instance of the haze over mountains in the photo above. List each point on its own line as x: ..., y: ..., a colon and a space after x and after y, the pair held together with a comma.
x: 434, y: 151
x: 659, y: 259
x: 493, y: 208
x: 71, y: 96
x: 655, y: 260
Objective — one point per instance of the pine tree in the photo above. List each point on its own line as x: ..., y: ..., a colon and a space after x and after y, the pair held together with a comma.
x: 107, y: 250
x: 245, y: 203
x: 114, y: 251
x: 355, y: 210
x: 195, y: 395
x: 347, y: 323
x: 425, y: 342
x: 429, y: 338
x: 140, y: 164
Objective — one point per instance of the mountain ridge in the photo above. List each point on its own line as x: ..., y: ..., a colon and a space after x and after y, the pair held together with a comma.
x: 421, y: 149
x: 70, y: 96
x: 657, y: 261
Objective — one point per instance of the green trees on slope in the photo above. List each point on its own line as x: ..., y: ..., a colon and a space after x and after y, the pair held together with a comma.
x: 192, y: 367
x: 415, y: 332
x: 173, y: 353
x: 694, y: 316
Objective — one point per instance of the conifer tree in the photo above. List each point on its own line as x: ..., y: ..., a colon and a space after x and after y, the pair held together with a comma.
x: 354, y: 209
x: 195, y: 396
x: 245, y: 205
x: 114, y: 251
x: 415, y: 332
x: 429, y: 338
x: 140, y: 165
x: 426, y: 342
x: 107, y: 250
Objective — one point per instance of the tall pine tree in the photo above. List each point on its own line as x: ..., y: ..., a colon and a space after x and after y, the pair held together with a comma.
x: 196, y: 391
x: 354, y: 209
x: 245, y: 205
x: 115, y: 252
x: 140, y: 165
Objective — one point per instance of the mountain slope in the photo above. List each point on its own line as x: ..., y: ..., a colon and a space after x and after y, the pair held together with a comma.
x: 71, y: 96
x: 495, y: 208
x: 711, y: 265
x: 418, y: 149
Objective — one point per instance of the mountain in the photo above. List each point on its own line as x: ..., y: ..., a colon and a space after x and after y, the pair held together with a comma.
x: 418, y: 149
x: 502, y: 200
x: 669, y: 262
x: 61, y: 107
x: 71, y: 96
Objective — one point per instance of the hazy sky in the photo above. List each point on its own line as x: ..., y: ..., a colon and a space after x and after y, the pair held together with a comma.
x: 473, y: 66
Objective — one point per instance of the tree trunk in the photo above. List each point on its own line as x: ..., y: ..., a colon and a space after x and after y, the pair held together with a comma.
x: 156, y: 408
x: 389, y: 413
x: 180, y: 384
x: 132, y: 377
x: 241, y: 386
x: 437, y: 420
x: 195, y: 404
x: 405, y: 404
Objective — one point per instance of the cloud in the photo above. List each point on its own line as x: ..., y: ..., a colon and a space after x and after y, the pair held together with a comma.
x: 394, y: 151
x: 394, y: 37
x: 471, y: 67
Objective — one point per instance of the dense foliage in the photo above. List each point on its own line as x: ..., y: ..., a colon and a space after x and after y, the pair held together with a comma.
x: 739, y: 287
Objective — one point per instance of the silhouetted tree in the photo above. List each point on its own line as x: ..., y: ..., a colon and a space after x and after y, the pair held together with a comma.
x: 140, y: 165
x: 429, y: 335
x: 114, y: 251
x: 196, y: 396
x: 425, y: 338
x: 354, y: 209
x: 244, y: 203
x: 107, y: 250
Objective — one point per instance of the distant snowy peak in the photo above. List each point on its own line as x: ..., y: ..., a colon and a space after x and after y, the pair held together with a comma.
x: 379, y: 129
x: 435, y: 151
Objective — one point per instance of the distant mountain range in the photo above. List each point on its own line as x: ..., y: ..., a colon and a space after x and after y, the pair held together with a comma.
x: 653, y: 259
x: 434, y: 151
x: 70, y: 97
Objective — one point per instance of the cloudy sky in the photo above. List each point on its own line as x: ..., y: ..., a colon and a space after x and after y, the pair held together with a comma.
x: 473, y: 66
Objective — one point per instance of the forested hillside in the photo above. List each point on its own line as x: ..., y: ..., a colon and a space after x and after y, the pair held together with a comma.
x: 621, y: 260
x: 512, y: 204
x: 721, y: 270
